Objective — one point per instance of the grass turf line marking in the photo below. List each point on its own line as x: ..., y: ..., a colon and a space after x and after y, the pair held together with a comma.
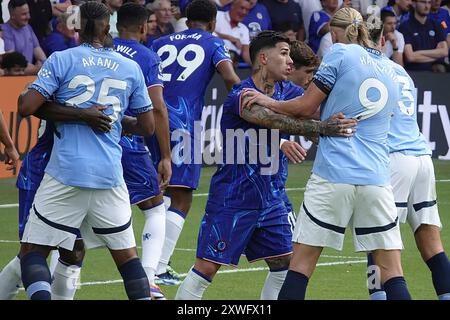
x: 323, y: 264
x: 16, y: 205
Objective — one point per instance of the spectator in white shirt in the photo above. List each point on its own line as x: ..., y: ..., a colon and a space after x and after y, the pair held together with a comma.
x: 395, y: 42
x: 230, y: 28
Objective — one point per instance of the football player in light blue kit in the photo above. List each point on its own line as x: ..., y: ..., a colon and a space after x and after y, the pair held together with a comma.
x: 245, y: 212
x: 139, y: 173
x: 83, y: 187
x: 189, y: 59
x: 413, y: 182
x: 350, y: 183
x: 65, y: 268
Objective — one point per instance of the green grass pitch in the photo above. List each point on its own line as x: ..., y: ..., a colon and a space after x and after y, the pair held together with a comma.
x: 340, y: 275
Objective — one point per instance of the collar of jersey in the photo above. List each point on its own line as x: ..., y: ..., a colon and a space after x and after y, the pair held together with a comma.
x: 94, y: 48
x: 374, y: 51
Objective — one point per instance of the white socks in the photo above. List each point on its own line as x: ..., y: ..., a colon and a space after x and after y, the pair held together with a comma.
x: 272, y: 285
x: 65, y: 281
x: 174, y: 225
x: 10, y: 279
x: 192, y: 287
x: 153, y: 236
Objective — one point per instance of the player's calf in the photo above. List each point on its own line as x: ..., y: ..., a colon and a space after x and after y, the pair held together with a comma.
x: 389, y: 262
x: 67, y: 272
x: 134, y: 278
x: 197, y: 280
x: 35, y: 273
x: 278, y: 268
x: 429, y: 243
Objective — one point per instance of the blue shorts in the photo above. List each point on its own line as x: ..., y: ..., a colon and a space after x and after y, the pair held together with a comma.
x: 139, y: 175
x: 26, y: 198
x: 184, y: 173
x: 226, y: 234
x: 285, y: 198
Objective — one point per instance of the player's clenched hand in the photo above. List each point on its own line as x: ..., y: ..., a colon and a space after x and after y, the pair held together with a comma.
x: 11, y: 157
x: 338, y: 125
x: 164, y: 173
x: 293, y: 151
x: 251, y: 96
x: 96, y: 119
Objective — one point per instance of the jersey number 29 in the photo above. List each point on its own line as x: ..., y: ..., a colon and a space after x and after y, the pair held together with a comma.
x: 189, y: 65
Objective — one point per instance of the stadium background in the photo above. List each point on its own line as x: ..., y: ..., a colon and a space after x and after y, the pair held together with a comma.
x: 340, y: 275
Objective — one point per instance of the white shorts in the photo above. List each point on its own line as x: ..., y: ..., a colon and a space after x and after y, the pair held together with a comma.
x: 414, y: 186
x: 328, y: 208
x: 102, y: 215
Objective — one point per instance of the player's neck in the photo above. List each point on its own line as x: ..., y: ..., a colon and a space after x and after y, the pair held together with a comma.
x: 130, y: 36
x: 198, y: 26
x: 94, y: 43
x: 263, y: 82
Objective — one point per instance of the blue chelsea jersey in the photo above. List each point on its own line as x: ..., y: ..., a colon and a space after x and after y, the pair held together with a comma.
x: 150, y: 65
x: 243, y: 185
x: 188, y: 61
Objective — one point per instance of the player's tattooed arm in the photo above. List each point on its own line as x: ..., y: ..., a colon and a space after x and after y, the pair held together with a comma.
x: 336, y: 125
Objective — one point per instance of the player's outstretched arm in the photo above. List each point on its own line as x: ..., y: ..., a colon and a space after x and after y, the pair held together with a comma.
x: 11, y: 154
x: 301, y: 107
x: 337, y: 125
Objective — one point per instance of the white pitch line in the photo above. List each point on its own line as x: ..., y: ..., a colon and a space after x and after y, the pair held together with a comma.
x: 193, y: 250
x: 16, y: 205
x: 10, y: 205
x: 323, y: 264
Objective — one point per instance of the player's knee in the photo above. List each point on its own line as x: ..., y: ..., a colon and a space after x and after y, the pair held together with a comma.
x: 74, y: 257
x: 123, y: 256
x: 26, y: 248
x: 207, y: 268
x: 278, y: 263
x: 181, y: 198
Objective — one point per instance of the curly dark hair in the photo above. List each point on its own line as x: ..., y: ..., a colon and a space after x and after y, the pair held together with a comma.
x: 13, y: 59
x: 201, y: 10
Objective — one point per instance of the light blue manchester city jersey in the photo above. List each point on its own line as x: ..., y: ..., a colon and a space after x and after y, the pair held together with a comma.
x: 361, y: 85
x: 82, y: 77
x: 404, y: 134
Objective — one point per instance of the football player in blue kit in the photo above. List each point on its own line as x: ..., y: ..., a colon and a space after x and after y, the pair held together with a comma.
x: 245, y: 212
x: 139, y: 173
x: 189, y: 59
x: 305, y: 62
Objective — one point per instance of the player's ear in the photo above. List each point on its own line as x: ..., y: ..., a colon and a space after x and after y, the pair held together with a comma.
x: 211, y: 26
x: 262, y: 56
x: 143, y: 29
x: 106, y: 31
